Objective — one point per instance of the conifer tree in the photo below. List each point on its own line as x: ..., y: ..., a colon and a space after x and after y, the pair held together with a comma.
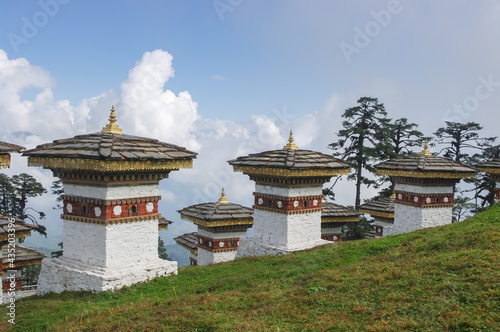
x: 14, y: 194
x: 403, y: 136
x: 458, y: 137
x: 363, y: 140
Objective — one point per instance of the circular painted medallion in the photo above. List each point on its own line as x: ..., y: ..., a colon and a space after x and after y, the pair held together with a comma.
x: 210, y: 243
x: 445, y: 199
x: 69, y: 207
x: 221, y: 244
x: 201, y: 241
x: 315, y: 202
x: 295, y: 203
x: 400, y: 196
x: 117, y: 210
x: 150, y: 207
x: 97, y: 211
x: 415, y: 199
x: 280, y: 204
x: 428, y: 200
x: 260, y: 201
x: 335, y: 238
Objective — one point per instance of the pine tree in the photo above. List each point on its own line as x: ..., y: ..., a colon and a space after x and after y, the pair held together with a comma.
x: 458, y: 137
x: 363, y: 140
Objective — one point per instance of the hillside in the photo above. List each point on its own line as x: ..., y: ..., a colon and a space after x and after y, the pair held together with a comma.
x: 444, y: 278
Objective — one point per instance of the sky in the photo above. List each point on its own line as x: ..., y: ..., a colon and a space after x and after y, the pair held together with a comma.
x: 226, y: 78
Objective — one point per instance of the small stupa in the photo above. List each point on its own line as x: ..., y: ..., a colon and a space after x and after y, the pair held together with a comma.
x: 288, y: 195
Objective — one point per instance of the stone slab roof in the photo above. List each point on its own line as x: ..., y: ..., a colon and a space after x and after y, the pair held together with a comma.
x: 24, y: 256
x: 336, y: 211
x: 10, y: 148
x: 383, y: 207
x: 188, y: 241
x: 213, y: 212
x: 163, y: 224
x: 113, y: 147
x: 424, y: 166
x: 21, y: 228
x: 492, y: 166
x: 292, y: 159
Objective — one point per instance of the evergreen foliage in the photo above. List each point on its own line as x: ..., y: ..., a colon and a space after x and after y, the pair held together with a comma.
x: 363, y: 140
x: 14, y: 194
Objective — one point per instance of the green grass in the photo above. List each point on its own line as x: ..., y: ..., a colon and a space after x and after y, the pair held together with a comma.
x: 439, y: 279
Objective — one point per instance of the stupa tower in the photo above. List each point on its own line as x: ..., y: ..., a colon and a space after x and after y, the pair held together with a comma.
x: 110, y: 214
x: 288, y: 195
x: 220, y: 226
x: 424, y: 189
x: 492, y: 167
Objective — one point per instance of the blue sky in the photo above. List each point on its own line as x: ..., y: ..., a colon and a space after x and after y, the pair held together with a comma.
x: 231, y: 77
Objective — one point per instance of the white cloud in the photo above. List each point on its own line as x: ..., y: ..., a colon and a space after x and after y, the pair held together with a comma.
x: 147, y: 109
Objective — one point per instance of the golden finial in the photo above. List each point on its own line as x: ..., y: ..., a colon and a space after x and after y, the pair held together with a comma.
x: 426, y: 151
x: 290, y: 144
x: 222, y: 198
x: 112, y: 127
x: 393, y: 196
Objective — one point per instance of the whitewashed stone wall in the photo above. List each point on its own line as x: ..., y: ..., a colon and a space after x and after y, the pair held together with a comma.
x: 112, y: 245
x: 331, y: 230
x: 387, y: 227
x: 98, y: 257
x: 220, y: 235
x: 276, y: 233
x: 410, y: 218
x: 424, y: 189
x: 206, y: 257
x: 289, y: 191
x: 61, y: 274
x: 112, y: 192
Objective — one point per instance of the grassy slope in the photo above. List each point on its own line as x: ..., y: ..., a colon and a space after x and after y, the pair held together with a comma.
x: 444, y: 278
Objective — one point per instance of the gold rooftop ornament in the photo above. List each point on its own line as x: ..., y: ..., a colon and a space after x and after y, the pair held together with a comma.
x: 290, y: 145
x: 222, y: 199
x: 112, y: 127
x: 426, y: 151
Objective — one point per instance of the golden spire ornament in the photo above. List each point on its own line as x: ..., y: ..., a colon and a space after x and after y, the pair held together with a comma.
x: 426, y: 151
x: 112, y: 127
x: 222, y: 198
x: 290, y: 145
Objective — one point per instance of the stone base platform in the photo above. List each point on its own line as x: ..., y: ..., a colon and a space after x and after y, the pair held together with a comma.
x: 250, y: 246
x: 59, y: 274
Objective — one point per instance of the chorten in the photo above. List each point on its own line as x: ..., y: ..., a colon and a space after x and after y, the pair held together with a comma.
x: 15, y: 256
x: 288, y: 194
x: 492, y: 167
x: 110, y: 215
x: 220, y: 226
x: 424, y: 189
x: 382, y: 211
x: 5, y: 150
x: 334, y: 218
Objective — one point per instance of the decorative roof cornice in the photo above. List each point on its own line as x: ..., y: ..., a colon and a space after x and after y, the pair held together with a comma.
x: 490, y: 167
x: 93, y: 165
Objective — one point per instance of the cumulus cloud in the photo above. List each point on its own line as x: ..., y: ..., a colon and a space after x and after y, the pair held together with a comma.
x: 149, y: 110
